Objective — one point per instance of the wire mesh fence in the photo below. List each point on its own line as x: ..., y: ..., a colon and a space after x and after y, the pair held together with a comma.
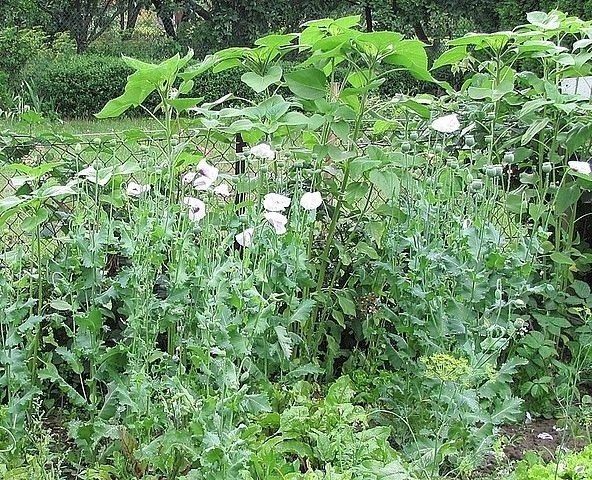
x: 30, y: 163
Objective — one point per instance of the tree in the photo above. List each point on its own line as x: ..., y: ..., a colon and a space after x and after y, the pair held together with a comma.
x: 130, y: 13
x: 86, y: 20
x: 513, y: 12
x: 428, y: 20
x: 21, y: 13
x: 209, y: 26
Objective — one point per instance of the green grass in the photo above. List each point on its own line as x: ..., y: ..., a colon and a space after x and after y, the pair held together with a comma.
x: 77, y: 127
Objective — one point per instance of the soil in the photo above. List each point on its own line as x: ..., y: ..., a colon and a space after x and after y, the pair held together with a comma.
x: 540, y: 435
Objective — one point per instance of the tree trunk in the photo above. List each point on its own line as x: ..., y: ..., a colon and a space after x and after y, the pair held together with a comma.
x: 168, y: 25
x: 420, y: 32
x: 133, y: 12
x: 165, y: 17
x: 368, y: 16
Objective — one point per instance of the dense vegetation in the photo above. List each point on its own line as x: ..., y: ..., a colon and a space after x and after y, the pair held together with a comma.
x: 40, y: 34
x: 311, y: 281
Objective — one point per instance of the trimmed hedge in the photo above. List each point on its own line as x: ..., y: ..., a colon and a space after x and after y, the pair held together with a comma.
x: 78, y: 85
x: 212, y: 86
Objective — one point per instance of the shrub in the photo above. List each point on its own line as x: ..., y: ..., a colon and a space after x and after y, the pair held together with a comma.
x: 18, y: 47
x: 212, y: 86
x: 150, y: 48
x: 4, y: 89
x: 77, y: 85
x: 63, y: 44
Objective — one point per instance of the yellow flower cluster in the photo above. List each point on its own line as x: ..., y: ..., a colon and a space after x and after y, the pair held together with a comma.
x: 446, y: 367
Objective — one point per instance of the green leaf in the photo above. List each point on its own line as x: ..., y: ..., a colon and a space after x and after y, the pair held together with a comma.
x: 182, y: 104
x: 483, y: 40
x: 365, y: 249
x: 579, y: 135
x: 199, y: 69
x: 581, y: 288
x: 71, y: 359
x: 56, y: 191
x: 294, y: 119
x: 305, y: 370
x: 411, y: 55
x: 346, y: 303
x: 355, y: 191
x: 384, y: 41
x: 545, y: 21
x: 340, y: 392
x: 450, y: 57
x: 35, y: 172
x: 275, y: 41
x: 418, y: 108
x: 186, y: 87
x: 50, y: 372
x: 295, y: 447
x: 92, y: 321
x: 348, y: 22
x: 31, y: 223
x: 7, y: 203
x: 567, y: 196
x: 507, y: 410
x: 136, y: 91
x: 30, y: 323
x: 387, y: 182
x: 226, y: 65
x: 302, y: 313
x: 309, y: 83
x: 534, y: 128
x: 259, y: 83
x: 561, y: 258
x: 147, y: 78
x: 341, y: 130
x: 256, y: 403
x: 284, y: 340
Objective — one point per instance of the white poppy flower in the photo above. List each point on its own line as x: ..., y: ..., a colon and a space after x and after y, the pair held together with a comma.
x: 446, y: 124
x: 197, y: 208
x: 206, y: 175
x: 92, y: 175
x: 545, y: 436
x: 274, y: 202
x: 223, y: 190
x: 311, y: 200
x: 203, y: 178
x: 277, y: 221
x: 86, y: 172
x: 263, y: 150
x: 135, y: 189
x: 245, y: 238
x: 189, y: 177
x: 581, y: 167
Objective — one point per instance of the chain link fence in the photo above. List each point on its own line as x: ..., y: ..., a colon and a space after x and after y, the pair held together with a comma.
x: 27, y: 163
